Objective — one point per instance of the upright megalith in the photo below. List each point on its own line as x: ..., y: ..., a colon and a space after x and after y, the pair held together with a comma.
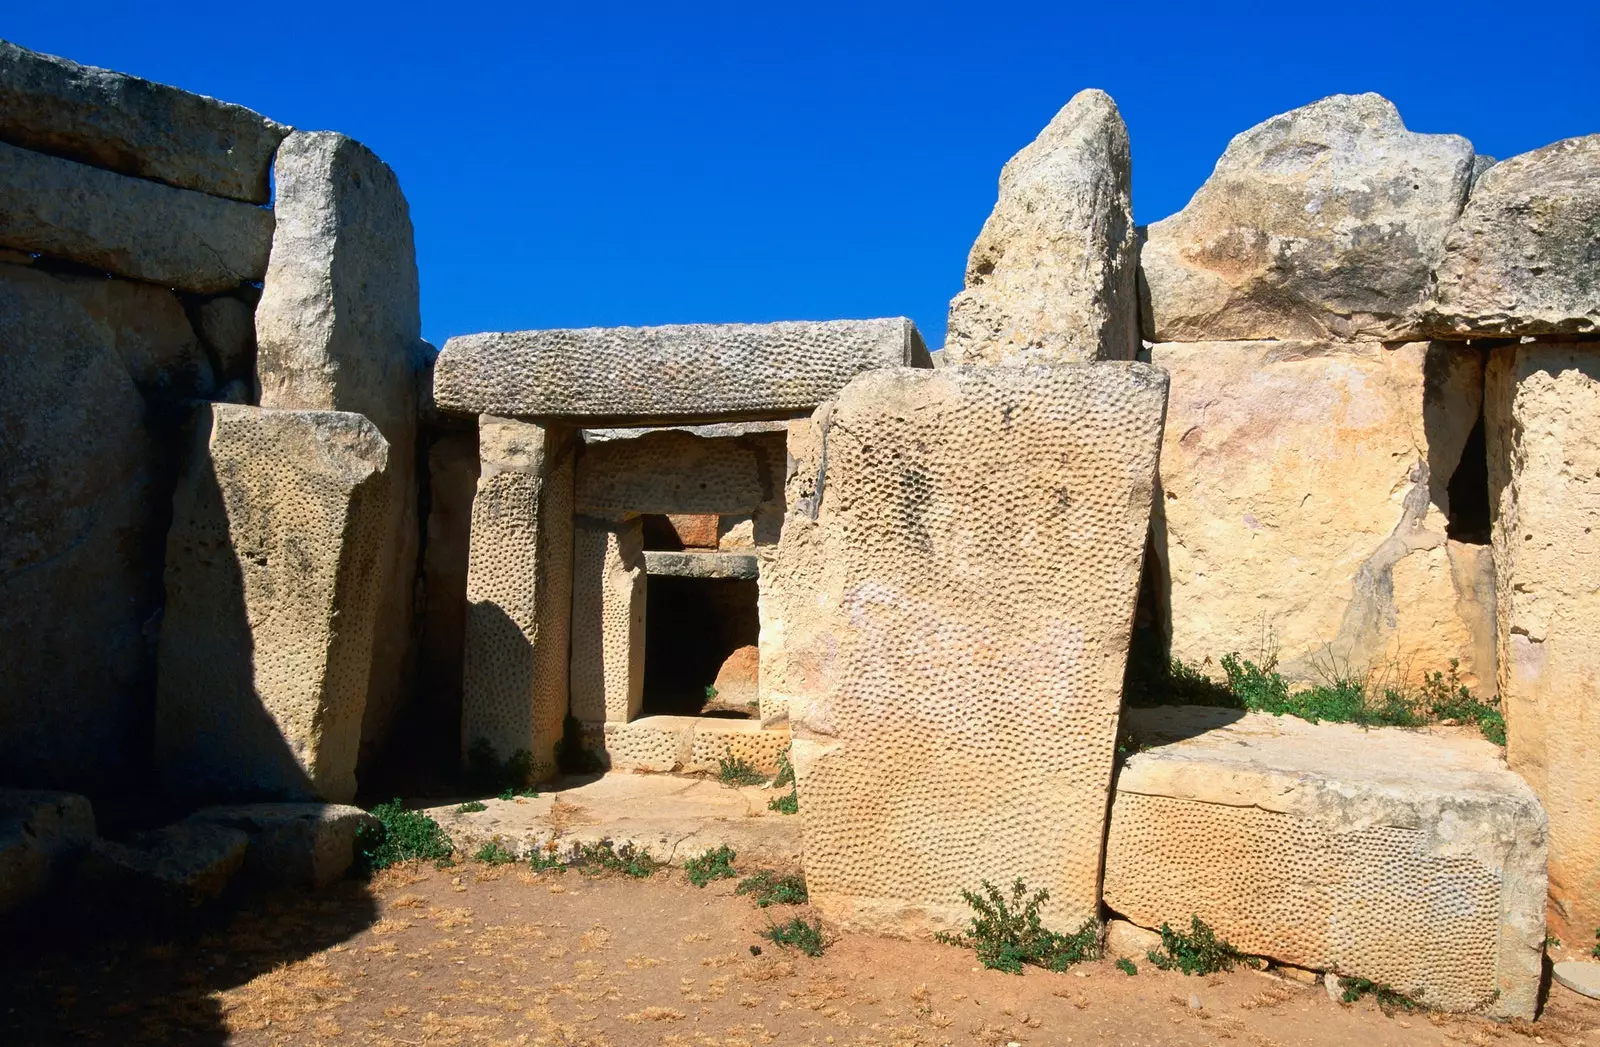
x: 1324, y: 222
x: 519, y: 592
x: 608, y: 605
x: 1052, y: 276
x: 273, y: 582
x: 960, y: 565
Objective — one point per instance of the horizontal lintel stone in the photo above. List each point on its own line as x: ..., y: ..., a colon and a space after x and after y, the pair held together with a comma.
x: 701, y: 565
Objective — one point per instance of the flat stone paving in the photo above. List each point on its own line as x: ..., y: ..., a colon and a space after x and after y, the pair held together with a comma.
x: 1581, y: 978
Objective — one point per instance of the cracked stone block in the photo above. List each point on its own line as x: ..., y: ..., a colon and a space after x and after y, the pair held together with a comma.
x: 293, y: 844
x: 40, y: 833
x: 608, y: 605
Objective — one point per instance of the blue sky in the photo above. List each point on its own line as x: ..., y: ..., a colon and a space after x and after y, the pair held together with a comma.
x: 598, y: 164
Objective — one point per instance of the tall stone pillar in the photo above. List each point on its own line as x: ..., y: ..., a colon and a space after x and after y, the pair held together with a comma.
x: 608, y: 600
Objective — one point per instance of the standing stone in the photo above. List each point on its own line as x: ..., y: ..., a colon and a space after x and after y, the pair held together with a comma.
x: 272, y: 595
x: 134, y: 126
x: 608, y: 602
x: 1325, y: 222
x: 519, y: 591
x: 1524, y: 257
x: 1052, y: 275
x: 452, y: 483
x: 962, y: 566
x: 1542, y: 413
x: 339, y: 328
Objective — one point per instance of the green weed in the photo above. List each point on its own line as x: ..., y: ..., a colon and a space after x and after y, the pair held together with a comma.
x: 785, y: 771
x: 1447, y: 698
x: 736, y: 770
x: 494, y: 854
x: 1552, y: 942
x: 546, y: 859
x: 400, y: 835
x: 1388, y: 999
x: 788, y: 803
x: 486, y: 772
x: 711, y: 692
x: 768, y: 888
x: 510, y: 793
x: 471, y: 807
x: 1596, y: 952
x: 1006, y: 934
x: 1198, y: 952
x: 712, y: 865
x: 796, y: 934
x: 1126, y: 966
x: 596, y: 858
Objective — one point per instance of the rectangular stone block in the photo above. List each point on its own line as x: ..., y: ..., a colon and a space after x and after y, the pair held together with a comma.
x: 680, y: 372
x: 679, y: 473
x: 134, y: 126
x: 272, y: 578
x: 293, y: 844
x: 608, y: 601
x: 128, y: 226
x: 1411, y: 859
x: 958, y: 572
x: 1542, y: 409
x: 519, y: 591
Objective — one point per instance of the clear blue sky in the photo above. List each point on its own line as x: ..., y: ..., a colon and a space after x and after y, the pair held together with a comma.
x: 595, y: 164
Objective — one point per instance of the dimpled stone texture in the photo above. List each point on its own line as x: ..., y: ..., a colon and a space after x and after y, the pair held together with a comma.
x: 608, y: 594
x: 272, y: 594
x: 672, y: 471
x: 692, y: 744
x: 680, y: 372
x: 961, y: 608
x: 519, y: 590
x: 1412, y: 859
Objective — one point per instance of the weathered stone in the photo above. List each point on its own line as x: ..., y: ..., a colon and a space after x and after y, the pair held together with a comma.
x: 519, y: 591
x: 40, y: 833
x: 711, y: 430
x: 1324, y: 222
x: 1542, y: 411
x: 1524, y: 257
x: 151, y: 333
x: 134, y: 126
x: 1130, y: 941
x: 128, y: 226
x: 293, y: 844
x: 1305, y: 512
x: 452, y: 483
x: 680, y: 372
x: 702, y: 564
x: 1411, y: 859
x: 933, y: 636
x: 272, y: 595
x: 181, y: 865
x: 691, y: 744
x: 1581, y: 978
x: 608, y: 594
x: 227, y: 326
x: 1052, y: 276
x: 738, y: 678
x: 673, y: 472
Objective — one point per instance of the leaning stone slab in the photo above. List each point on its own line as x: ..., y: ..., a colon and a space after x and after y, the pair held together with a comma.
x: 1411, y: 859
x: 293, y: 844
x: 681, y: 372
x: 1324, y: 222
x: 134, y: 126
x: 608, y: 603
x: 1052, y: 276
x: 1524, y: 257
x: 938, y: 632
x: 128, y: 226
x: 40, y: 832
x: 272, y: 591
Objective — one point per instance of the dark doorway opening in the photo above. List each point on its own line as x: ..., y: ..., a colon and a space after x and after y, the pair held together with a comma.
x: 1468, y: 491
x: 692, y: 626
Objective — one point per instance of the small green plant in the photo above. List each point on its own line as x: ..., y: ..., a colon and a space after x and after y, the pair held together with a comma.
x: 572, y: 756
x: 785, y: 770
x: 1552, y: 942
x: 471, y: 807
x: 712, y: 865
x: 796, y: 934
x: 546, y: 858
x: 736, y: 770
x: 1388, y: 999
x: 788, y: 803
x: 1596, y: 952
x: 1007, y: 933
x: 1198, y: 952
x: 511, y: 793
x: 596, y: 858
x: 711, y: 692
x: 486, y: 772
x: 494, y: 854
x: 1447, y: 698
x: 1126, y: 966
x: 400, y: 835
x: 768, y: 888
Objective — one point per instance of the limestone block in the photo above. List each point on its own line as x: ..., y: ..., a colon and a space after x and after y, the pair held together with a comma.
x: 1409, y: 858
x: 452, y: 483
x: 1052, y: 276
x: 672, y: 471
x: 608, y: 601
x: 128, y: 226
x: 960, y: 569
x: 681, y: 372
x: 1542, y: 411
x: 691, y: 744
x: 1304, y: 508
x: 134, y: 126
x: 1524, y: 257
x: 293, y: 844
x: 272, y: 589
x: 519, y: 590
x: 1324, y: 222
x: 40, y: 833
x: 81, y: 533
x: 1126, y: 940
x: 151, y: 333
x: 702, y: 564
x: 177, y: 866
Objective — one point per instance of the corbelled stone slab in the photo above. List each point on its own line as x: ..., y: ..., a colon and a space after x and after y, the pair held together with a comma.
x: 937, y: 630
x: 674, y: 373
x: 128, y: 226
x: 1411, y: 859
x: 134, y: 126
x: 272, y: 593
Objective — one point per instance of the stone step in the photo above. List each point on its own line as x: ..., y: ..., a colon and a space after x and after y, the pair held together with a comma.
x: 689, y: 744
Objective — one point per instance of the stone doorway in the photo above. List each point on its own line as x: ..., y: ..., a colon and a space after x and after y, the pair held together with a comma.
x: 700, y: 647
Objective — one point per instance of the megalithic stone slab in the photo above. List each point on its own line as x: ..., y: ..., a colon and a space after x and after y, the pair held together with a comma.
x: 608, y: 593
x: 134, y: 126
x: 682, y: 372
x: 272, y: 593
x: 959, y: 570
x: 1052, y: 276
x: 128, y: 226
x: 519, y: 591
x: 1415, y: 860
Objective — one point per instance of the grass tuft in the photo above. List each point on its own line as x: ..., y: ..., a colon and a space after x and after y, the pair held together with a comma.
x: 1388, y: 999
x: 1596, y: 952
x: 401, y: 835
x: 1127, y: 967
x: 768, y: 888
x: 712, y: 865
x: 788, y: 803
x: 1007, y: 933
x: 1198, y: 952
x: 602, y: 857
x: 471, y: 807
x: 494, y: 854
x: 736, y: 770
x: 796, y: 934
x: 785, y: 771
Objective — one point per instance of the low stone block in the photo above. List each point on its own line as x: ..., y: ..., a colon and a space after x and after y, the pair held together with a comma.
x: 128, y: 226
x: 178, y: 866
x: 608, y: 603
x: 691, y: 744
x: 697, y: 564
x: 40, y: 833
x: 1411, y: 859
x: 681, y: 372
x: 293, y: 844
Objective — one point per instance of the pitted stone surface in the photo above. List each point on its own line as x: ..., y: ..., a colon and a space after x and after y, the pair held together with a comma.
x: 671, y: 471
x: 693, y: 744
x: 961, y: 603
x: 1324, y: 222
x: 678, y: 372
x: 272, y: 594
x: 608, y: 600
x: 1052, y: 276
x: 519, y: 590
x: 1407, y: 858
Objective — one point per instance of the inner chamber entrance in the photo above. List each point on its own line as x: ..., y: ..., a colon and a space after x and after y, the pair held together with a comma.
x: 694, y: 628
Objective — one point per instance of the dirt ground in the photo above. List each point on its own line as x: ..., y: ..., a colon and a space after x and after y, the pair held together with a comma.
x: 480, y: 954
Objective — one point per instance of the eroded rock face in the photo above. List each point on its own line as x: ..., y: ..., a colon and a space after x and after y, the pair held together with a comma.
x: 1524, y: 257
x: 1325, y: 222
x: 1052, y: 275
